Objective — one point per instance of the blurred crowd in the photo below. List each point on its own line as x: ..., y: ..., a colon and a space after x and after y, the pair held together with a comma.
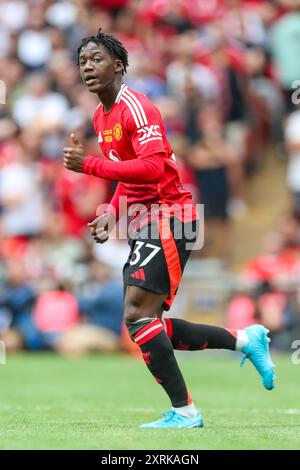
x: 223, y: 73
x: 268, y: 289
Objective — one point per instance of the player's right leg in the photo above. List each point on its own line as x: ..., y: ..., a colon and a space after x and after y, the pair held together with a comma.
x: 147, y: 331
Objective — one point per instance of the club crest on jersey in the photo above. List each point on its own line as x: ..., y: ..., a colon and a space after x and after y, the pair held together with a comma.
x: 117, y: 131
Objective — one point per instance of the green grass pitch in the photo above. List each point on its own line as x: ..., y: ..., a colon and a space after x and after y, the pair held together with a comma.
x: 48, y: 402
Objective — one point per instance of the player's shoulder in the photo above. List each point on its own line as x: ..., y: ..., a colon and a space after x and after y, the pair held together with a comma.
x: 97, y: 113
x: 127, y: 92
x: 136, y: 106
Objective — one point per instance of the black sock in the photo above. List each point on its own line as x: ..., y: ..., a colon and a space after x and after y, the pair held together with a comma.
x: 189, y: 336
x: 159, y: 357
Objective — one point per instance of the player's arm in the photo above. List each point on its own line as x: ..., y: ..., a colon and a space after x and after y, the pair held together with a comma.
x: 143, y: 170
x: 107, y: 217
x: 114, y: 205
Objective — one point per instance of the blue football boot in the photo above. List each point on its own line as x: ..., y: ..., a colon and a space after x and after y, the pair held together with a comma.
x: 174, y: 420
x: 257, y: 351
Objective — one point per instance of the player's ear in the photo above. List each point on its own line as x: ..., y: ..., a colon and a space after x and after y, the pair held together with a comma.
x: 118, y: 66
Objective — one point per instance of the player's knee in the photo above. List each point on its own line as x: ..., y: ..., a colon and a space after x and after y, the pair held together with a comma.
x: 135, y: 321
x: 132, y: 314
x: 134, y: 306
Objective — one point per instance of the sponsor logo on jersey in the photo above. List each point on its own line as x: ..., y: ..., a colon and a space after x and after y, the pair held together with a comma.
x: 117, y: 131
x: 149, y: 133
x: 113, y: 155
x: 100, y: 138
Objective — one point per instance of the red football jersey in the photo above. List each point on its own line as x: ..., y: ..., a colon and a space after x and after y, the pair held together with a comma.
x: 133, y: 129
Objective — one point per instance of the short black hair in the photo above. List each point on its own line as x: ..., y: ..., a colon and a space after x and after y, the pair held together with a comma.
x: 112, y: 44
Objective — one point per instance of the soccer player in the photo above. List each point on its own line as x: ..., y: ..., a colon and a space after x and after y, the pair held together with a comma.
x: 137, y: 155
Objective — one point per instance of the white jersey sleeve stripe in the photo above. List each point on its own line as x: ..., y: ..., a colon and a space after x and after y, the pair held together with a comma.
x: 128, y: 92
x: 123, y: 98
x: 134, y: 105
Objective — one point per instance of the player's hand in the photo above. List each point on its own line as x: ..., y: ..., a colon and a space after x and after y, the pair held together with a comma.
x: 74, y: 156
x: 99, y: 228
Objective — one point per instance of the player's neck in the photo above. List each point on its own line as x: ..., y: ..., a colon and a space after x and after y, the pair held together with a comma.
x: 108, y: 96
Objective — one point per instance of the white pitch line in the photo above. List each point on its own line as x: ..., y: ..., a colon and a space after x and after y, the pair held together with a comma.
x: 287, y: 411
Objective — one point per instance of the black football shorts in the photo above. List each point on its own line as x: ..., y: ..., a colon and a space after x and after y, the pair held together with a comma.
x: 158, y: 254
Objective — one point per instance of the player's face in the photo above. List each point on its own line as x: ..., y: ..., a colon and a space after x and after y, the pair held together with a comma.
x: 98, y: 68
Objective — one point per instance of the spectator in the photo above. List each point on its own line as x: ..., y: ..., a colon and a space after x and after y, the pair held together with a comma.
x: 101, y: 307
x: 183, y: 68
x: 211, y: 158
x: 55, y: 313
x: 40, y: 107
x: 34, y: 45
x: 256, y: 63
x: 17, y: 299
x: 21, y: 195
x: 285, y: 45
x: 292, y: 140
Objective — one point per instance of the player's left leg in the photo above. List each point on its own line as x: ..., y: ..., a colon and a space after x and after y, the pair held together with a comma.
x: 252, y: 341
x: 188, y: 336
